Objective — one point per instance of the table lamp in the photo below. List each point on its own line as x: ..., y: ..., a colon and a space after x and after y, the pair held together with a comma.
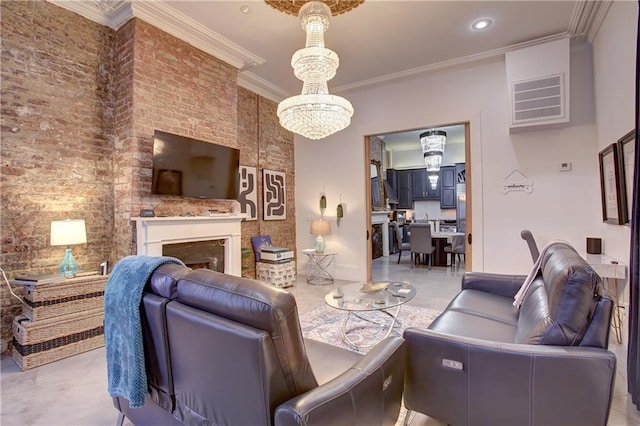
x: 320, y: 228
x: 66, y: 233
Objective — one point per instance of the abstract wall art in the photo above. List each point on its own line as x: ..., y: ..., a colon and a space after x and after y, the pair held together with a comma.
x: 274, y: 195
x: 248, y: 195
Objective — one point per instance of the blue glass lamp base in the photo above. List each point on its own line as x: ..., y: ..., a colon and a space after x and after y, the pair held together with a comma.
x: 319, y: 244
x: 68, y: 268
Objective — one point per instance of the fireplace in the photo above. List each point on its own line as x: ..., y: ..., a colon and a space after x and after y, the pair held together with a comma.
x: 156, y: 235
x: 198, y: 254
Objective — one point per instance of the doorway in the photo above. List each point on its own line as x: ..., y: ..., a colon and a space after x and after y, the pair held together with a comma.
x: 400, y: 186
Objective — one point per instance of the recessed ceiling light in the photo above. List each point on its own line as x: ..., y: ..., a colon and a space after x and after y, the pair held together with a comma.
x: 481, y: 24
x: 245, y: 9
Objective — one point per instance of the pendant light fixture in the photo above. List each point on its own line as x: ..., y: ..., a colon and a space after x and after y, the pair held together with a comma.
x: 433, y: 142
x: 315, y: 113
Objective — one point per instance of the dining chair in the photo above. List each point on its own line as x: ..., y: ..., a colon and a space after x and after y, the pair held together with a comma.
x: 399, y: 237
x: 421, y: 242
x: 456, y: 248
x: 531, y: 242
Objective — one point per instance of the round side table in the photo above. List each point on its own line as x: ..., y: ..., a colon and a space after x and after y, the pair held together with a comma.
x: 318, y: 264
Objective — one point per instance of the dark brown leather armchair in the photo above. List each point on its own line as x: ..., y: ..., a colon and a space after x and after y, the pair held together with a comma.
x: 229, y: 351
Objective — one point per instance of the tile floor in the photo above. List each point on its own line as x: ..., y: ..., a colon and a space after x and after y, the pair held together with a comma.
x: 72, y: 391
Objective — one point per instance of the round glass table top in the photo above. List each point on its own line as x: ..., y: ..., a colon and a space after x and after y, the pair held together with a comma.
x: 370, y: 296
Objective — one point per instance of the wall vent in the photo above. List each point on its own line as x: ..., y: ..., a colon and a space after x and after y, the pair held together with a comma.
x: 538, y: 81
x: 538, y: 99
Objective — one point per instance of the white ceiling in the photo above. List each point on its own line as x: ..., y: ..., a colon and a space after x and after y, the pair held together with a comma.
x: 377, y: 42
x: 410, y: 140
x: 380, y: 38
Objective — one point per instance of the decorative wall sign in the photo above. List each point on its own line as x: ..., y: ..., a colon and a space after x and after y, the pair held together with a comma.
x: 274, y: 195
x: 627, y: 150
x: 248, y: 196
x: 613, y: 208
x: 516, y: 181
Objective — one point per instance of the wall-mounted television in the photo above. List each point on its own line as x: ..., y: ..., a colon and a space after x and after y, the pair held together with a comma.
x: 192, y: 168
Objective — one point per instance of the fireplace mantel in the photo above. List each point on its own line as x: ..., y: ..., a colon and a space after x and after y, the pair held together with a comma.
x: 154, y: 232
x: 382, y: 217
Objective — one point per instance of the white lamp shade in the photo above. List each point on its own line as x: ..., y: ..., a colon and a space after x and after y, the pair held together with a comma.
x: 67, y: 232
x: 320, y: 227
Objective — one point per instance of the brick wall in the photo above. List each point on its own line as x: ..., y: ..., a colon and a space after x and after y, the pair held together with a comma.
x: 56, y: 140
x: 265, y: 144
x: 80, y: 103
x: 178, y: 89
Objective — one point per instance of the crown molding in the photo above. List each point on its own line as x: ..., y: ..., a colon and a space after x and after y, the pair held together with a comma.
x: 262, y: 87
x: 115, y: 13
x: 586, y: 19
x: 456, y: 63
x: 98, y: 11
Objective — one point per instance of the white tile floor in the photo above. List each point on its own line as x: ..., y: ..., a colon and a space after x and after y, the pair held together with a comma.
x: 73, y: 391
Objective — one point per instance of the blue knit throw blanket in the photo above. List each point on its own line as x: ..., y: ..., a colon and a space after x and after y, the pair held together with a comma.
x: 123, y: 327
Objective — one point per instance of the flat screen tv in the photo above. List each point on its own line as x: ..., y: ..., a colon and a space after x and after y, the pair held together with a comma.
x: 191, y: 168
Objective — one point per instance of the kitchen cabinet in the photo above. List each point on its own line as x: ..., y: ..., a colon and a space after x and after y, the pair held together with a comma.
x: 447, y: 187
x: 419, y: 184
x: 433, y: 193
x: 421, y: 188
x: 404, y: 189
x: 392, y: 178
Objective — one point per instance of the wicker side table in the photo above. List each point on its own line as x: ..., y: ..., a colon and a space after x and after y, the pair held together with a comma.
x: 59, y: 320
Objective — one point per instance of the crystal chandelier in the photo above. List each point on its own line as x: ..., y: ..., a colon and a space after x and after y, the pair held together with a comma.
x: 432, y: 142
x: 315, y: 113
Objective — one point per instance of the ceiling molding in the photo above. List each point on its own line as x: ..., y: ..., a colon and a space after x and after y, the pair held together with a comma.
x: 115, y: 13
x: 98, y: 11
x: 262, y: 87
x: 445, y: 65
x: 598, y: 19
x: 587, y: 17
x: 181, y: 26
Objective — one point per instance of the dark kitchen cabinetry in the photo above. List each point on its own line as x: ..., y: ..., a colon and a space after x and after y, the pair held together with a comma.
x: 433, y: 193
x: 404, y: 189
x: 447, y: 187
x: 419, y: 184
x: 392, y: 178
x: 421, y: 188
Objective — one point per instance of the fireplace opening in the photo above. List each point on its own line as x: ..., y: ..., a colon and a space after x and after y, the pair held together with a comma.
x: 376, y: 241
x: 198, y: 254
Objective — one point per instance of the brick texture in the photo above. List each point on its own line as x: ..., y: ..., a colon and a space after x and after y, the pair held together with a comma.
x: 56, y: 140
x: 80, y: 103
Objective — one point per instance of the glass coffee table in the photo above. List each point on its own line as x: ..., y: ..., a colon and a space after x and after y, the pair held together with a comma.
x: 383, y: 300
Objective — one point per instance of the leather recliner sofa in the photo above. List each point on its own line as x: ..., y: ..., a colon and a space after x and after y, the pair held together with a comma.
x: 485, y: 362
x: 225, y: 350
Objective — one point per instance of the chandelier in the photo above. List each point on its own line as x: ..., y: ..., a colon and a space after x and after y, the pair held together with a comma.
x: 432, y: 142
x: 315, y: 113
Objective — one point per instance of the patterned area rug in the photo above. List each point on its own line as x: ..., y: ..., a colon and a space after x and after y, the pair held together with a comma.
x: 324, y: 323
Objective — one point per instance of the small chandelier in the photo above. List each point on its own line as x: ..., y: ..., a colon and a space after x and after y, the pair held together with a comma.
x: 432, y: 142
x: 315, y: 113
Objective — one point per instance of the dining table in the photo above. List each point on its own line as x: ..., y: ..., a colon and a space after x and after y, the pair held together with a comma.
x: 440, y: 240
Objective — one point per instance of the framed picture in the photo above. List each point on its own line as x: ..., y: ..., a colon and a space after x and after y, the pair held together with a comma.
x: 613, y: 209
x: 248, y: 195
x: 274, y: 195
x: 627, y: 150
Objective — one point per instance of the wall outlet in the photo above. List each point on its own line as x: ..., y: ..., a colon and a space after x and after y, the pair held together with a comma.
x: 565, y: 167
